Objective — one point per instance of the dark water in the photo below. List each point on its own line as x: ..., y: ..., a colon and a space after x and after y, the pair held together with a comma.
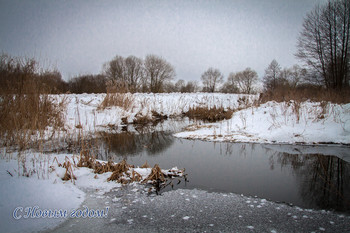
x: 306, y: 176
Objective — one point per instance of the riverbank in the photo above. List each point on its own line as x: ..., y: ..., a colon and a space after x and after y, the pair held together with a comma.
x: 91, y: 203
x: 44, y: 190
x: 289, y: 122
x: 280, y: 123
x: 32, y: 181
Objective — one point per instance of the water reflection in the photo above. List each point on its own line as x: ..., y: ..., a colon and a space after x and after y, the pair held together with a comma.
x: 293, y: 174
x: 126, y: 144
x: 327, y: 186
x: 321, y: 180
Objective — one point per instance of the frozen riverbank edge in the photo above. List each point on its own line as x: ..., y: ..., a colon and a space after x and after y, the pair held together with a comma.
x: 306, y: 123
x: 49, y: 192
x: 131, y: 209
x: 289, y: 122
x: 36, y: 197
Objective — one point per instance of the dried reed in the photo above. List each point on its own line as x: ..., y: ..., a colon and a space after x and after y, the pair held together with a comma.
x: 209, y: 114
x: 123, y: 100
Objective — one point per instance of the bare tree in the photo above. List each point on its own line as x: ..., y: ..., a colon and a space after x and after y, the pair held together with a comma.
x: 230, y: 85
x: 157, y: 71
x: 191, y: 87
x: 88, y: 84
x: 323, y: 43
x: 134, y: 73
x: 292, y: 76
x: 52, y: 81
x: 125, y: 73
x: 211, y: 79
x: 244, y: 80
x: 296, y: 75
x: 115, y: 69
x: 272, y: 75
x: 179, y: 85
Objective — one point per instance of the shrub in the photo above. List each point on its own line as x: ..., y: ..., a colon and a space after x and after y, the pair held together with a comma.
x: 209, y: 114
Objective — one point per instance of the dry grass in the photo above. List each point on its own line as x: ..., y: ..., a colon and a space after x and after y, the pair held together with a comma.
x: 123, y: 100
x: 296, y: 110
x: 120, y: 171
x: 159, y: 180
x: 124, y: 173
x: 25, y: 110
x: 156, y: 175
x: 158, y: 116
x: 24, y: 118
x: 86, y: 159
x: 117, y: 96
x: 209, y: 114
x: 301, y: 94
x: 145, y: 165
x: 142, y: 119
x: 68, y: 175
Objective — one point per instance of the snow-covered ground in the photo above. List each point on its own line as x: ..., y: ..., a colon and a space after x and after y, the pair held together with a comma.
x: 47, y: 191
x: 43, y: 200
x: 288, y: 122
x: 82, y: 112
x: 26, y: 202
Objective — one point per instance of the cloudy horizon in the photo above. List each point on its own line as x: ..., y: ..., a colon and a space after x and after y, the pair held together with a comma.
x: 78, y: 37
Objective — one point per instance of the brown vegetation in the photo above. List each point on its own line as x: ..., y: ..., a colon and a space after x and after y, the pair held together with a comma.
x: 123, y: 172
x: 209, y: 114
x: 123, y: 100
x: 142, y: 119
x: 304, y: 93
x: 87, y: 84
x: 25, y: 110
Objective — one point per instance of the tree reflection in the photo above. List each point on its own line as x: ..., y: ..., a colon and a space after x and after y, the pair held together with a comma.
x: 126, y: 144
x: 326, y: 185
x: 158, y: 142
x: 323, y: 179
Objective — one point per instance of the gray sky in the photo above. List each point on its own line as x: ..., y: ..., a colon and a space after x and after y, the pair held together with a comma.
x: 78, y: 36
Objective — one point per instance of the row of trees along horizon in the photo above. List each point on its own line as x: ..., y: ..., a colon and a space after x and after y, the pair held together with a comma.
x: 132, y: 74
x: 323, y: 47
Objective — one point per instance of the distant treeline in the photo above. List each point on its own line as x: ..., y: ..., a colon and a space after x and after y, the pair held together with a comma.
x: 154, y: 74
x: 131, y: 74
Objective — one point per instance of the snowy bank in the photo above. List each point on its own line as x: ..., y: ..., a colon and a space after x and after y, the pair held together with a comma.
x: 83, y: 113
x: 35, y: 198
x: 287, y: 123
x: 43, y: 190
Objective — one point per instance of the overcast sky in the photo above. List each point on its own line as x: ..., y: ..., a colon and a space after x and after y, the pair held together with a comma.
x: 78, y: 36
